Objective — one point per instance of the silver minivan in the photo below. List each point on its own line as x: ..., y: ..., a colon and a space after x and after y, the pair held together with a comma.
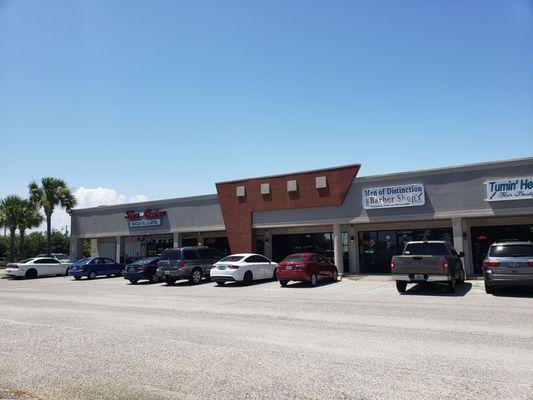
x: 508, y: 264
x: 192, y: 263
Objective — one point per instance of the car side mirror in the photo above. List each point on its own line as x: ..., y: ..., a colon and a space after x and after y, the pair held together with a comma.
x: 461, y: 254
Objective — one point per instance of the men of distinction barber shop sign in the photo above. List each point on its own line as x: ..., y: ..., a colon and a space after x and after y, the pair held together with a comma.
x: 394, y: 196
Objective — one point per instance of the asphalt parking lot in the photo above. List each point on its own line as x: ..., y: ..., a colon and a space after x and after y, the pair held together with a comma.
x: 355, y: 339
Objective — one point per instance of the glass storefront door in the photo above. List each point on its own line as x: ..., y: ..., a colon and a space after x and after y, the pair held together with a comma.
x: 283, y: 245
x: 218, y: 242
x: 376, y: 248
x: 155, y: 246
x: 484, y: 236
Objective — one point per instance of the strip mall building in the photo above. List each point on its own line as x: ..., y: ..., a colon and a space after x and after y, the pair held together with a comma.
x: 361, y: 221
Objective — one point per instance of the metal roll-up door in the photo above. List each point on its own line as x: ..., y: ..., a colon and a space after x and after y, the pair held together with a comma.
x: 107, y: 249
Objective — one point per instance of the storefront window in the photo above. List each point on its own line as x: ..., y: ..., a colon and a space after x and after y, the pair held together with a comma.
x: 283, y: 245
x: 376, y: 248
x: 155, y: 247
x: 345, y: 252
x: 484, y: 236
x: 189, y: 242
x: 220, y: 243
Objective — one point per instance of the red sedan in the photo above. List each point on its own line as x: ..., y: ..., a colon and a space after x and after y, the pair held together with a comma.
x: 305, y: 267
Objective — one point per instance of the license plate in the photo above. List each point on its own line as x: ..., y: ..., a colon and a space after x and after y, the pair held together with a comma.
x: 288, y: 267
x: 167, y: 272
x: 419, y: 277
x: 514, y: 265
x: 221, y: 267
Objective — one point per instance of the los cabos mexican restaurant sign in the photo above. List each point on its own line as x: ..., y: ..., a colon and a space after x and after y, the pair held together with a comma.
x: 394, y: 196
x: 510, y: 189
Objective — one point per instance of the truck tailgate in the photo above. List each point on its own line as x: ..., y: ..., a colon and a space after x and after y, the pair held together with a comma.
x: 418, y: 264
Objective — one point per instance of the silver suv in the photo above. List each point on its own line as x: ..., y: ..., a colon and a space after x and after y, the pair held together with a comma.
x: 192, y: 263
x: 508, y: 264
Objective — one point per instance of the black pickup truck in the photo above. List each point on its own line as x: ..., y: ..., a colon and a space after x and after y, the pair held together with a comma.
x: 428, y: 261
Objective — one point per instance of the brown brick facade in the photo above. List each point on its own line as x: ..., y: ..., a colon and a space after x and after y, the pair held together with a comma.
x: 237, y: 211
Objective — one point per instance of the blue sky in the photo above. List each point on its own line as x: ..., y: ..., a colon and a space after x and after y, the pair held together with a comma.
x: 157, y: 99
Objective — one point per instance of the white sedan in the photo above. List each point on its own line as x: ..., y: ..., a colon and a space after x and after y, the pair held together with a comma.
x: 244, y: 267
x: 34, y: 267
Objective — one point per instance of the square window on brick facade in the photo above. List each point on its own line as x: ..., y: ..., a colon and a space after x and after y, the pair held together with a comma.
x: 265, y: 188
x: 292, y: 186
x: 240, y: 191
x: 321, y: 182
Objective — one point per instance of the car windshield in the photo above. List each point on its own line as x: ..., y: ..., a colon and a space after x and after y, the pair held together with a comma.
x: 512, y: 250
x: 61, y: 256
x: 294, y: 258
x: 231, y: 259
x: 84, y: 260
x: 170, y: 255
x: 146, y: 261
x: 25, y: 261
x: 426, y: 249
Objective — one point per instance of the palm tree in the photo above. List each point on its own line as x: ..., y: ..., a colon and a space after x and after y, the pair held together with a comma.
x: 10, y: 211
x: 29, y: 218
x: 52, y: 192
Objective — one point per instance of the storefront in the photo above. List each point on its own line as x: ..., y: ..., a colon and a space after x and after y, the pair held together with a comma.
x: 484, y: 236
x: 361, y: 220
x: 376, y: 248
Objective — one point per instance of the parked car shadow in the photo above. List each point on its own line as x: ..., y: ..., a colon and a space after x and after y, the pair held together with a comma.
x: 437, y: 289
x: 143, y: 283
x: 84, y: 279
x: 305, y: 285
x: 240, y: 284
x: 509, y: 291
x: 21, y: 278
x: 184, y: 282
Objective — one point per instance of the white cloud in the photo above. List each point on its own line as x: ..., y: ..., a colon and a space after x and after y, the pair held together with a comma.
x: 91, y: 198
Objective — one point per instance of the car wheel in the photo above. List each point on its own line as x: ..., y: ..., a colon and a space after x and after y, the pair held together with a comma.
x: 66, y: 272
x: 462, y: 277
x: 196, y: 276
x: 248, y: 278
x: 401, y: 286
x: 91, y: 275
x: 108, y: 275
x: 275, y: 274
x: 283, y: 283
x: 31, y: 274
x: 120, y: 273
x: 335, y: 276
x: 489, y: 289
x: 155, y: 278
x: 77, y: 278
x: 314, y: 280
x: 220, y: 283
x: 170, y: 281
x: 134, y: 281
x: 451, y: 286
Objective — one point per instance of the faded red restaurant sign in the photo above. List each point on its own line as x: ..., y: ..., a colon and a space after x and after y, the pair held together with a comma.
x: 148, y: 213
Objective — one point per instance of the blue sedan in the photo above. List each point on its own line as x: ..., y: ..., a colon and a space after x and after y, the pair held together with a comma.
x: 143, y: 269
x: 91, y: 267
